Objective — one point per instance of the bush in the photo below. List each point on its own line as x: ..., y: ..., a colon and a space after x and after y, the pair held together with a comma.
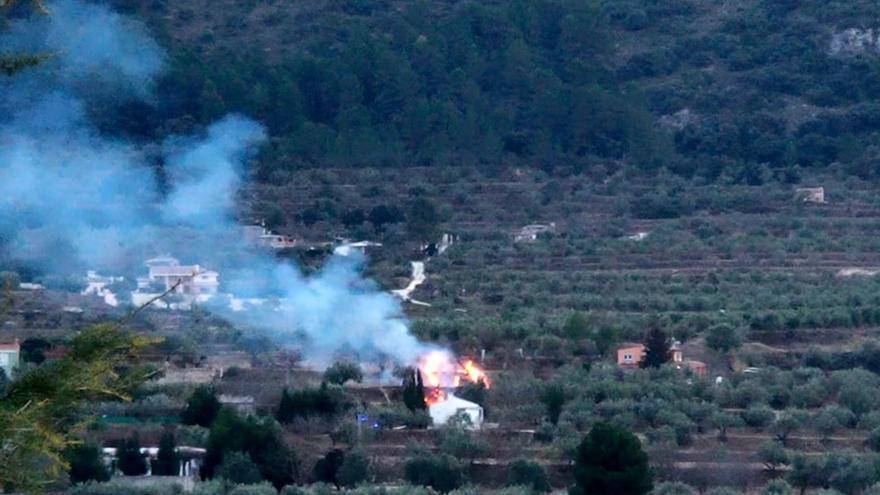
x: 326, y: 469
x: 322, y: 401
x: 722, y: 338
x: 86, y: 464
x: 777, y: 487
x: 872, y: 441
x: 354, y: 469
x: 117, y: 487
x: 758, y: 416
x: 237, y: 467
x: 201, y: 408
x: 527, y: 473
x: 341, y: 372
x: 673, y: 488
x: 261, y: 489
x: 440, y: 472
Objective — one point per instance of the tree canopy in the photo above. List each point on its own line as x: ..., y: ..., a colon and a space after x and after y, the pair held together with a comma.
x: 610, y: 461
x: 40, y: 414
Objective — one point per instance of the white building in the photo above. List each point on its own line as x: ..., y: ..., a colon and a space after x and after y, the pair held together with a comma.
x: 166, y: 271
x: 98, y: 285
x: 346, y: 248
x: 530, y: 233
x: 258, y: 234
x: 442, y: 412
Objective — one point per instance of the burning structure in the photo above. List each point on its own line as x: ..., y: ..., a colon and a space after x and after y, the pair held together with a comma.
x: 442, y: 375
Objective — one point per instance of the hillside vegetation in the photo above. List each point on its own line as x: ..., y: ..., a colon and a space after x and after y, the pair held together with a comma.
x: 745, y: 91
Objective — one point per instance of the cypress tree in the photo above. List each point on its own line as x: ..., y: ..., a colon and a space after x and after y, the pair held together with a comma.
x: 414, y: 391
x: 129, y: 458
x: 657, y: 348
x: 167, y: 460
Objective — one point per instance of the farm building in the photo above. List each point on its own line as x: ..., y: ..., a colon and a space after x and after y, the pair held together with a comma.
x: 441, y: 412
x: 166, y: 271
x: 811, y: 194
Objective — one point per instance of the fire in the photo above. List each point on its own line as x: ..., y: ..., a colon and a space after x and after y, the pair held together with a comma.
x: 440, y: 370
x: 435, y: 396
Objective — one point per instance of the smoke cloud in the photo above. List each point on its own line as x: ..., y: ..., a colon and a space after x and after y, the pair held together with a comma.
x: 72, y: 199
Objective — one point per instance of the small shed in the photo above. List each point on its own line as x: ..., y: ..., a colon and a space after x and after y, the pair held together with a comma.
x: 811, y: 194
x: 441, y: 412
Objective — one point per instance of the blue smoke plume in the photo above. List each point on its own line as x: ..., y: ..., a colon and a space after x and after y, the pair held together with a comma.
x: 72, y: 199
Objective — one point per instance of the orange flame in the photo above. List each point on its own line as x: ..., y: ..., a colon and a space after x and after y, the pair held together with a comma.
x: 440, y: 370
x: 435, y: 396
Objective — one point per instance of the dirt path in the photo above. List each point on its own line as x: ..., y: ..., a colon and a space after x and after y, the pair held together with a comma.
x: 418, y: 277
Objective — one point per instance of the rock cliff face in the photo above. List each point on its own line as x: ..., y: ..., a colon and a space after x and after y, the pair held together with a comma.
x: 855, y: 41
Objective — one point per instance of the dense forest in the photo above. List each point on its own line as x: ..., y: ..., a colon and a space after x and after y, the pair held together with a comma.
x: 739, y: 91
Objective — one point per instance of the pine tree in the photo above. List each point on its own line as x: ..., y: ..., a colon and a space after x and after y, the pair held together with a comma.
x: 657, y: 347
x: 610, y: 461
x: 286, y: 408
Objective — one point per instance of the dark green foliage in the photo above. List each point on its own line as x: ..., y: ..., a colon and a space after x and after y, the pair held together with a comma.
x: 324, y: 401
x: 722, y: 338
x: 382, y: 215
x: 610, y: 461
x: 414, y: 391
x: 129, y: 459
x: 238, y: 468
x: 32, y: 350
x: 86, y: 464
x: 422, y: 220
x: 167, y: 461
x: 553, y: 397
x: 260, y: 438
x: 576, y: 326
x: 327, y: 468
x: 341, y: 372
x: 657, y: 348
x: 201, y: 407
x: 527, y: 473
x: 476, y: 393
x: 354, y: 469
x: 440, y: 472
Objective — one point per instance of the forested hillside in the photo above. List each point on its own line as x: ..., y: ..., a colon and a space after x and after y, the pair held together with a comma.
x: 744, y: 90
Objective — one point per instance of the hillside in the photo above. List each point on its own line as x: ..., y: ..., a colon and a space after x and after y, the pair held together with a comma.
x: 659, y: 147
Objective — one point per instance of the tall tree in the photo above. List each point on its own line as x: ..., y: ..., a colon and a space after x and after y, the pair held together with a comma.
x: 422, y: 219
x: 610, y: 461
x: 414, y: 391
x: 86, y: 464
x: 657, y: 347
x: 129, y: 458
x: 167, y: 460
